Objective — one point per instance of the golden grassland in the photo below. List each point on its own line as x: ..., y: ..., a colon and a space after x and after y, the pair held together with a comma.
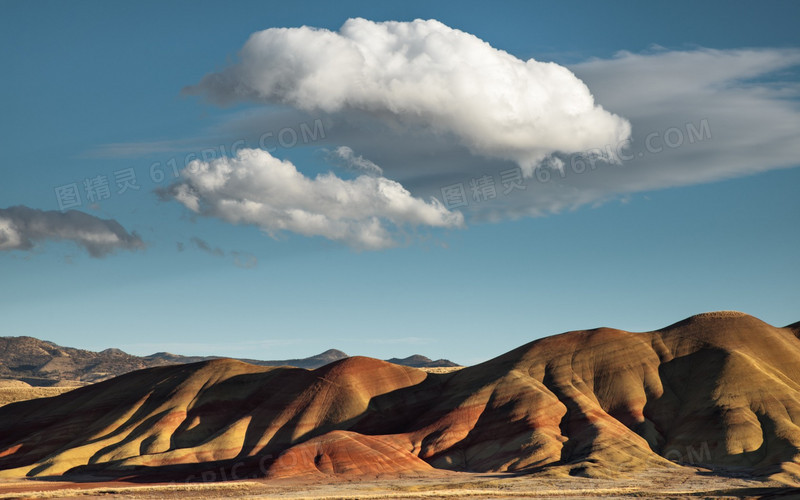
x: 442, y: 369
x: 14, y: 394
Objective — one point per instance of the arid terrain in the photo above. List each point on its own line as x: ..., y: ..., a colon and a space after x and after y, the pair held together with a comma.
x: 707, y: 406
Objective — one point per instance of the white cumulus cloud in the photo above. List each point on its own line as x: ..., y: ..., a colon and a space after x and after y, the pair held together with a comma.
x: 422, y: 74
x: 258, y: 189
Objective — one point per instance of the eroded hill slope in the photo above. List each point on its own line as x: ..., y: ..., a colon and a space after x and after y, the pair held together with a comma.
x: 717, y: 389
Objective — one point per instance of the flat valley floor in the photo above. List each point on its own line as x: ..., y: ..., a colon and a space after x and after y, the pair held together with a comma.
x: 681, y: 483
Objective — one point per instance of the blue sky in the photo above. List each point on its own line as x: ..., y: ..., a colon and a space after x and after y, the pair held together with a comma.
x: 686, y: 224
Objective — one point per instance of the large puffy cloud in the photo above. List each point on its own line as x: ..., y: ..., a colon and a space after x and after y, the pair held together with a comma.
x: 422, y: 74
x: 21, y: 228
x: 258, y: 189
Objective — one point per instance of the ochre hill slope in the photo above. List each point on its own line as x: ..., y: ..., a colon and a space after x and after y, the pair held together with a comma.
x: 718, y: 389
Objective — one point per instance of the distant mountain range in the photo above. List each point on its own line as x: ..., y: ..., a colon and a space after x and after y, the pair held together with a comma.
x: 42, y: 363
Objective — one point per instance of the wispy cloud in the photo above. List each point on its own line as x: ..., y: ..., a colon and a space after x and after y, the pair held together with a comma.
x: 243, y: 260
x: 204, y: 246
x: 145, y: 148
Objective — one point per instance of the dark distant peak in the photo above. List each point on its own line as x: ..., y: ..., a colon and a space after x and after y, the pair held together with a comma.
x: 330, y: 354
x: 420, y: 361
x: 113, y: 351
x: 160, y: 358
x: 310, y: 363
x: 414, y: 358
x: 162, y: 355
x: 795, y: 328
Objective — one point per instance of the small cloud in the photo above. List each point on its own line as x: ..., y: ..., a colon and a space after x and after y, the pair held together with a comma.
x: 23, y: 228
x: 346, y: 158
x: 244, y: 260
x: 204, y: 246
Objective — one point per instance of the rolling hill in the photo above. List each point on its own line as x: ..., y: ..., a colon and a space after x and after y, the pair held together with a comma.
x: 721, y: 390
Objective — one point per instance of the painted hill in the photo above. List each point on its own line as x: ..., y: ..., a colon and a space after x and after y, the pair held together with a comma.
x: 42, y: 363
x: 720, y: 390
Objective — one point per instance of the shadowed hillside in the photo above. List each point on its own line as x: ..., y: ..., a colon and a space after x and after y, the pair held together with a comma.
x: 717, y: 389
